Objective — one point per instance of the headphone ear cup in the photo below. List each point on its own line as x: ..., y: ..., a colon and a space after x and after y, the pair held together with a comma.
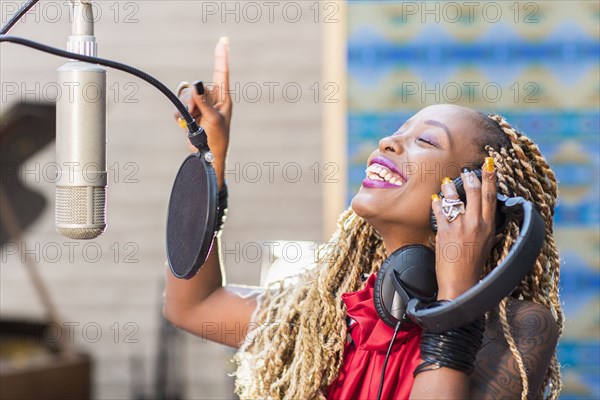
x: 378, y: 296
x: 408, y: 272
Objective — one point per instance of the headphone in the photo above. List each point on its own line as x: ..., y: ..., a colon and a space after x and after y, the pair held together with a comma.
x: 406, y: 282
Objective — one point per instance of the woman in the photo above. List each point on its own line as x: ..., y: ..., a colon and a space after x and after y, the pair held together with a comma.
x: 294, y: 340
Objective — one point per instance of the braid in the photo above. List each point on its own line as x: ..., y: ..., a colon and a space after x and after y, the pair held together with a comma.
x: 523, y: 171
x: 298, y: 354
x: 513, y: 347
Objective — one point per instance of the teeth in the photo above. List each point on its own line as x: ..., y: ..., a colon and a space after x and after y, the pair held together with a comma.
x: 375, y: 177
x: 381, y: 173
x: 373, y: 168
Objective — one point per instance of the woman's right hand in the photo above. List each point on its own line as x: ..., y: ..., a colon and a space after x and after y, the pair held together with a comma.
x: 212, y: 109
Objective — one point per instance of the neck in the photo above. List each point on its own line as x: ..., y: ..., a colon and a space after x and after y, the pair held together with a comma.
x: 395, y: 237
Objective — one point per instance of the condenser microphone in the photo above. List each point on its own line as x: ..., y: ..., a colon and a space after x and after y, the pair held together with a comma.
x: 81, y: 135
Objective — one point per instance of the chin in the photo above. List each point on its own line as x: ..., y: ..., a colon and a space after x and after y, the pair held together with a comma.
x: 364, y: 205
x: 380, y: 214
x: 368, y: 208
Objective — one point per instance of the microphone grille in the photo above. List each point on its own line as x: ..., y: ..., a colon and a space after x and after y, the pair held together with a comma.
x: 80, y: 211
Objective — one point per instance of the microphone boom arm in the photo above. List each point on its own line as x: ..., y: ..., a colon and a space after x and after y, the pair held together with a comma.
x: 195, y: 133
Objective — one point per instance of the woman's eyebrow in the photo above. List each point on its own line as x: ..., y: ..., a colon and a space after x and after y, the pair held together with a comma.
x: 440, y: 125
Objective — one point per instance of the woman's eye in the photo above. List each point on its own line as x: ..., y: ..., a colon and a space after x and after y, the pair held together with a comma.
x: 425, y: 141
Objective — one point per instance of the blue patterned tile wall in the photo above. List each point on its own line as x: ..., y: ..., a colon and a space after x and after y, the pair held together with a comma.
x: 536, y: 63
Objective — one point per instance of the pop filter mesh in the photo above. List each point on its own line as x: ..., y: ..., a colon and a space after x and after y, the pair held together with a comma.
x: 190, y: 218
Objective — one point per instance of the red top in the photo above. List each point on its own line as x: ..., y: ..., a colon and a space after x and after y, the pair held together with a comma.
x: 364, y: 353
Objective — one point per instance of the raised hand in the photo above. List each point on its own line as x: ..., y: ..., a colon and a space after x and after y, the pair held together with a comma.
x: 210, y: 105
x: 463, y: 245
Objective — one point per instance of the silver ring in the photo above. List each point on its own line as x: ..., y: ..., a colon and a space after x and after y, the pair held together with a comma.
x: 451, y: 208
x: 180, y: 87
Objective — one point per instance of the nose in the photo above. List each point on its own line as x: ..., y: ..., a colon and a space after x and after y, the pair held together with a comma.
x: 390, y: 143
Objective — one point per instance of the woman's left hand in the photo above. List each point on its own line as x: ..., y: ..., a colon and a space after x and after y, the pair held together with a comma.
x: 463, y: 245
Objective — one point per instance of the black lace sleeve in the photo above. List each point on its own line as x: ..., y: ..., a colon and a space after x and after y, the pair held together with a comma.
x: 496, y: 374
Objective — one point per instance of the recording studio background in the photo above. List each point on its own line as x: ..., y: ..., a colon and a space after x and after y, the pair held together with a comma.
x: 110, y: 292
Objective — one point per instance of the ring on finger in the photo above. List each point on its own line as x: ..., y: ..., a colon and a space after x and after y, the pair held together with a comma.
x: 181, y: 122
x: 452, y: 208
x: 181, y: 86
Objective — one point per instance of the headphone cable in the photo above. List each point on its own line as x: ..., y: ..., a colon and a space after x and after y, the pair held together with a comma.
x: 387, y: 356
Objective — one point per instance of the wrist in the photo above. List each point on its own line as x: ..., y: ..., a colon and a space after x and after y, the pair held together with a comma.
x: 222, y: 204
x: 455, y: 348
x: 220, y: 182
x: 450, y: 292
x: 219, y: 167
x: 455, y: 286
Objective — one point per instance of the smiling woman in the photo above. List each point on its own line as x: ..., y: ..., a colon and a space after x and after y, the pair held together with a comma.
x: 321, y: 337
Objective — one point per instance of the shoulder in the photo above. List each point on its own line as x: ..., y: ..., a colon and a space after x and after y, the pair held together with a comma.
x: 535, y: 334
x: 526, y: 319
x: 532, y: 325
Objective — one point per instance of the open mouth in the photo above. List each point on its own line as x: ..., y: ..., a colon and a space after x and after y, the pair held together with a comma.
x: 383, y: 173
x: 377, y: 172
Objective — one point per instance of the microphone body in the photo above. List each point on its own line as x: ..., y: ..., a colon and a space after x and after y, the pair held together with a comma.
x: 80, y: 211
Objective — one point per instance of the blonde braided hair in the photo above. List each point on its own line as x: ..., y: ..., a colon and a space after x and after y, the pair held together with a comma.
x: 523, y: 171
x: 297, y: 349
x: 301, y: 354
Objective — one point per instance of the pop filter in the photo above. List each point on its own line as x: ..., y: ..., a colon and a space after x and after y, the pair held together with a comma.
x: 192, y: 215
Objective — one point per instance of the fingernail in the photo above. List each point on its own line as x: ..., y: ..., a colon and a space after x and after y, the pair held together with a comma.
x: 199, y: 87
x: 489, y: 164
x: 435, y: 197
x: 224, y: 40
x: 446, y: 180
x: 182, y: 123
x: 466, y: 170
